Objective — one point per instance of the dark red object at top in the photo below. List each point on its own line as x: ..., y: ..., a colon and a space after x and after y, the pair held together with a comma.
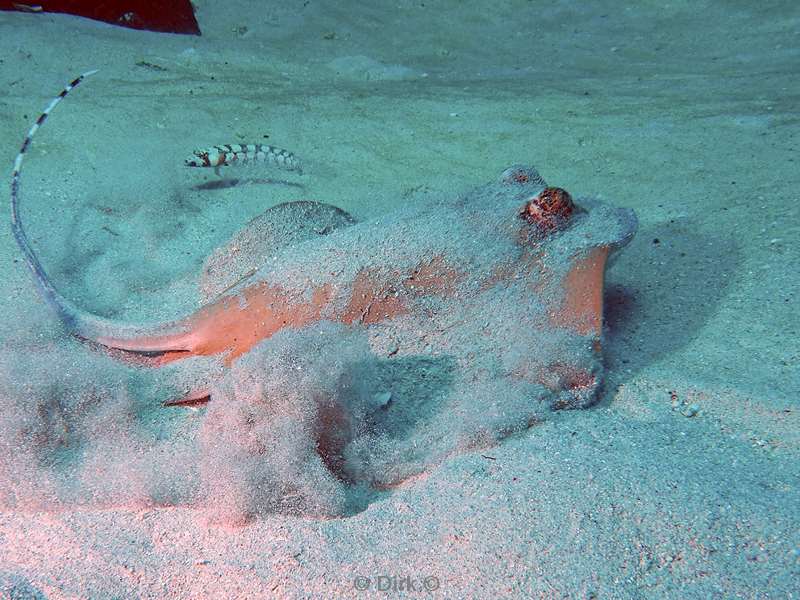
x: 170, y: 16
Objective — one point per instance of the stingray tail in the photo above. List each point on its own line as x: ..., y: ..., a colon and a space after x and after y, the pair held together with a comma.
x: 145, y: 339
x: 62, y: 308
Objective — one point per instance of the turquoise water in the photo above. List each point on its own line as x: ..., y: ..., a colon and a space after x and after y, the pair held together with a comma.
x: 680, y: 482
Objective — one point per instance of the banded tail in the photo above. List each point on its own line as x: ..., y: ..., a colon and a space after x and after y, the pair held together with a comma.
x: 166, y: 337
x: 58, y: 303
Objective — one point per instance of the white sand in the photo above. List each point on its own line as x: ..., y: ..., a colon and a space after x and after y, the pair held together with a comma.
x: 688, y: 115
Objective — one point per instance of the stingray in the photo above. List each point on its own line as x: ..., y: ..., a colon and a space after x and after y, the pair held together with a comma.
x: 510, y: 260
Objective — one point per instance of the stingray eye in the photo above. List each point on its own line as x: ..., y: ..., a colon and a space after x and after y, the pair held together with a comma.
x: 550, y: 210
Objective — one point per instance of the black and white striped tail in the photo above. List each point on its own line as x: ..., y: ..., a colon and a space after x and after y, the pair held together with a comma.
x: 59, y: 304
x: 148, y: 339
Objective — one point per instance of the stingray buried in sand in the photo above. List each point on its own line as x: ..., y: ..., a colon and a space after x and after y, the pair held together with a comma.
x: 503, y: 284
x: 429, y: 264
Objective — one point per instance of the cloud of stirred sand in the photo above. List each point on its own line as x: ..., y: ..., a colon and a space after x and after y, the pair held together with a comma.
x: 312, y: 422
x: 317, y: 421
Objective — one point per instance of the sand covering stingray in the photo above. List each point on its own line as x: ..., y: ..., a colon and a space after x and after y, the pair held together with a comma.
x: 342, y: 358
x: 459, y: 329
x: 440, y: 329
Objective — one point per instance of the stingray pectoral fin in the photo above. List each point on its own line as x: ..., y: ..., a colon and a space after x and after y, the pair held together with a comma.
x: 582, y: 306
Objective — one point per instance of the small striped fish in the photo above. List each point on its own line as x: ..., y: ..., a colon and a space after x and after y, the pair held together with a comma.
x: 238, y: 154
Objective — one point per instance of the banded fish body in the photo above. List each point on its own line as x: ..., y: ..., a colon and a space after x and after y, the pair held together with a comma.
x: 244, y: 154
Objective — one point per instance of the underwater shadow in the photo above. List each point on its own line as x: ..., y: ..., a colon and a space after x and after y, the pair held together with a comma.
x: 101, y: 233
x: 14, y: 586
x: 417, y: 385
x: 416, y: 388
x: 224, y: 184
x: 661, y: 306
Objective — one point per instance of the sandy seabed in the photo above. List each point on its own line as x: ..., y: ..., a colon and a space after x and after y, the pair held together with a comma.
x: 680, y: 482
